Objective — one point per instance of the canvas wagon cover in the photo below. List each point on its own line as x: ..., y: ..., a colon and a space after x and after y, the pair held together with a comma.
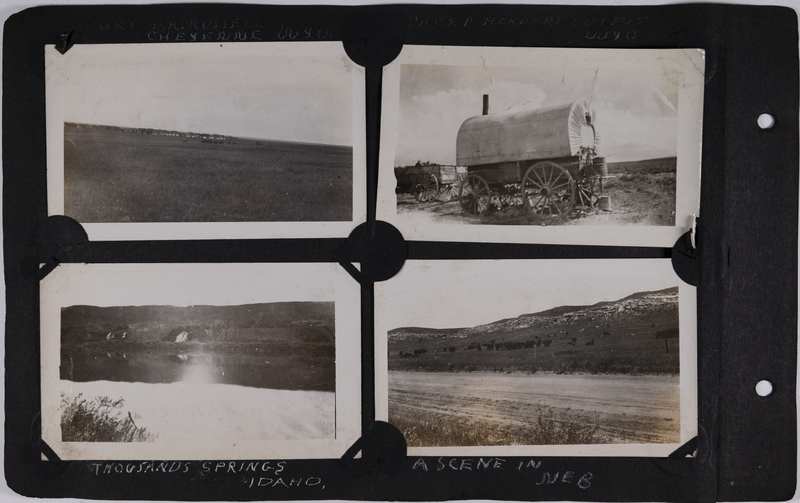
x: 543, y: 133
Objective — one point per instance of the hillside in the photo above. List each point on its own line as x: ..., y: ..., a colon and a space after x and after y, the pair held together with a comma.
x: 617, y: 336
x: 281, y: 321
x: 416, y: 334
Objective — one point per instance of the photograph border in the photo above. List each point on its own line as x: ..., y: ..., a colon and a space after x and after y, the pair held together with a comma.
x: 689, y: 148
x: 57, y: 70
x: 687, y: 308
x: 204, y: 284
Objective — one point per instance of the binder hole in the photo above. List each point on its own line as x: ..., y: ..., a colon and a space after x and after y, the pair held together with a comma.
x: 766, y: 121
x: 764, y: 388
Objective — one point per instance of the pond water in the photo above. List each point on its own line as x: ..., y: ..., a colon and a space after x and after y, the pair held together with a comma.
x: 256, y: 369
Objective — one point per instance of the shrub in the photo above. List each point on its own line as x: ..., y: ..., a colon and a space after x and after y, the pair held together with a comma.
x: 99, y: 420
x: 432, y: 429
x: 551, y: 430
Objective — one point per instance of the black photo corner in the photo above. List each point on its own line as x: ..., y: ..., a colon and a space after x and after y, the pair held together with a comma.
x: 740, y: 252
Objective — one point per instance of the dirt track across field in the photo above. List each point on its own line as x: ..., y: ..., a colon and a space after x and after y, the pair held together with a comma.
x: 626, y: 408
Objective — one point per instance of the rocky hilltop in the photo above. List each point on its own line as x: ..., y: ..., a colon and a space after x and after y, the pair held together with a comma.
x: 661, y: 301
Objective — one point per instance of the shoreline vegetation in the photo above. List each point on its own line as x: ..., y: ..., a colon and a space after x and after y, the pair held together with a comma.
x: 191, y: 413
x: 99, y: 420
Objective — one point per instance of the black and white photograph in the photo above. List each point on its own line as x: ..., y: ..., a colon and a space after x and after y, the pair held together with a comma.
x: 288, y: 347
x: 262, y: 140
x: 564, y: 145
x: 586, y: 357
x: 143, y: 377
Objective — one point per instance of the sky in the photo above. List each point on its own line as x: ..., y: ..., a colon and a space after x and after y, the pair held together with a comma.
x: 255, y: 91
x: 466, y: 293
x: 636, y: 108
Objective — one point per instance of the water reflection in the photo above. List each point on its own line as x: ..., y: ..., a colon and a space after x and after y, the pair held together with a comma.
x: 291, y: 372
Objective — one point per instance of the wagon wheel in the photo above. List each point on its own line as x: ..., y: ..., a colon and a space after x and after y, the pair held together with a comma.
x: 425, y: 188
x: 586, y: 194
x: 548, y: 189
x: 446, y: 192
x: 475, y: 195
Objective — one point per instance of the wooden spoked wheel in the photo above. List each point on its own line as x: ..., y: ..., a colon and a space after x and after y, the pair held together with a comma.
x: 548, y: 189
x: 425, y: 188
x: 475, y: 195
x: 586, y: 194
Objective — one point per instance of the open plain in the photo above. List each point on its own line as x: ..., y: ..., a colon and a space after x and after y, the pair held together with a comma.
x: 118, y: 175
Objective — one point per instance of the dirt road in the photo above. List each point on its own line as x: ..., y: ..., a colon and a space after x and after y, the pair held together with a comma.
x: 626, y: 409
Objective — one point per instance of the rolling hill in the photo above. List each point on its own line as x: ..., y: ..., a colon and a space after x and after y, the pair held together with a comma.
x: 616, y: 336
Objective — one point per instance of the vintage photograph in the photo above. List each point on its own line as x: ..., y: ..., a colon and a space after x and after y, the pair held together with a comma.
x: 139, y: 379
x: 524, y: 144
x: 279, y: 353
x: 590, y: 356
x: 266, y: 136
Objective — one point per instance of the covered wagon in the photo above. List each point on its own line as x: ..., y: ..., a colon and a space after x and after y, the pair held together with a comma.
x: 547, y: 159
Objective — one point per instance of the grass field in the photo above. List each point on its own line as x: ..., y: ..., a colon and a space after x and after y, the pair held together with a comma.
x: 461, y: 409
x: 123, y: 175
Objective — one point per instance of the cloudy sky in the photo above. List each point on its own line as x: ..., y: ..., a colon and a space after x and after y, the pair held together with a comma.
x: 294, y: 92
x: 452, y: 293
x: 636, y: 107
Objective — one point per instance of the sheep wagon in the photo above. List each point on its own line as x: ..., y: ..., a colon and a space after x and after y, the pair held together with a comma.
x: 547, y: 160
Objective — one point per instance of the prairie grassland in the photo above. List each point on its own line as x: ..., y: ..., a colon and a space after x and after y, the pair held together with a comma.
x: 112, y: 175
x: 433, y: 429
